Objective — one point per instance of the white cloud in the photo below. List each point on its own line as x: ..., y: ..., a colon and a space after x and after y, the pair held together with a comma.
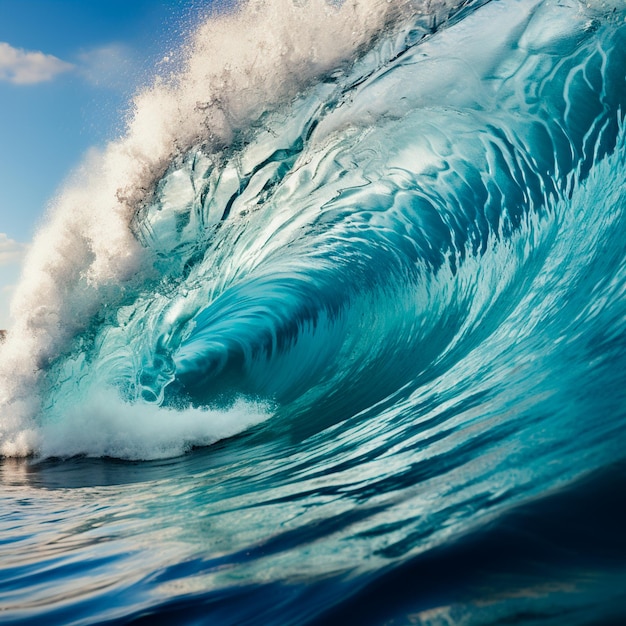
x: 10, y: 251
x: 22, y: 67
x: 11, y: 256
x: 7, y: 291
x: 113, y: 66
x: 6, y: 294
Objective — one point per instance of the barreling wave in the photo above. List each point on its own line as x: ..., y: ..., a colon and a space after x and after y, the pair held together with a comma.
x: 379, y: 248
x: 235, y: 68
x: 365, y: 208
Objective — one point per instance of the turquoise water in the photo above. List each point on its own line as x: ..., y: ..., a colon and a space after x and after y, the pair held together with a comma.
x: 367, y: 365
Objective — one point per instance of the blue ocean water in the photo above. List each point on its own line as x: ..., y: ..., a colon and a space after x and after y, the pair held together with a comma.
x: 355, y: 354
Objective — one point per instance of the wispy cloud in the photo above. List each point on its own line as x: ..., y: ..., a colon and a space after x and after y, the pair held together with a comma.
x: 111, y: 66
x: 11, y: 256
x: 23, y: 67
x: 10, y: 251
x: 7, y: 291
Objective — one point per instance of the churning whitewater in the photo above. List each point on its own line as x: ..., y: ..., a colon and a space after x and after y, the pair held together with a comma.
x: 377, y: 248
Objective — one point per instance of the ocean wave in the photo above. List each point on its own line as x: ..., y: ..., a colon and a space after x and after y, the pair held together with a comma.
x: 372, y: 262
x: 353, y: 245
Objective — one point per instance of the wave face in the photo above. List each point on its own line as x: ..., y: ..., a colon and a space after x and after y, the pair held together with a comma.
x: 395, y: 269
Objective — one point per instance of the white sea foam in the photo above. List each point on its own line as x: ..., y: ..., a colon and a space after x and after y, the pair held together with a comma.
x: 108, y: 426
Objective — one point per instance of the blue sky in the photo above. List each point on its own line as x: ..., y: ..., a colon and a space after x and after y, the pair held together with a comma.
x: 67, y: 70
